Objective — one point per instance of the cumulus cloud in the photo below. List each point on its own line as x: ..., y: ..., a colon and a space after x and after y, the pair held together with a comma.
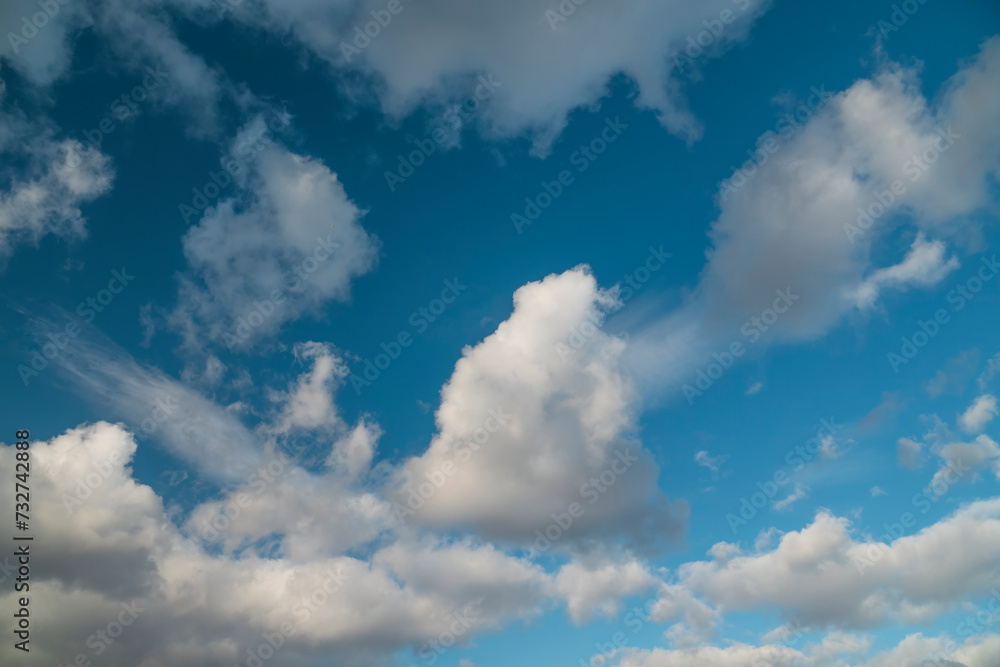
x: 599, y: 587
x: 44, y: 196
x: 792, y: 223
x: 823, y: 576
x: 287, y: 244
x: 532, y: 426
x: 309, y: 404
x: 961, y: 460
x: 115, y: 545
x: 692, y: 620
x: 913, y: 651
x: 980, y: 413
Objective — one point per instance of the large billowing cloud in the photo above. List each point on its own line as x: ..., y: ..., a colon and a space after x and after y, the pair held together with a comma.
x: 110, y: 544
x: 538, y: 417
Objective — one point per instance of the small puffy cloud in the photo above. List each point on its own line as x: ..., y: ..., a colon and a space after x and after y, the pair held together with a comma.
x: 692, y: 620
x: 924, y: 265
x: 798, y: 493
x: 45, y: 197
x: 980, y: 413
x: 961, y: 460
x: 877, y: 491
x: 309, y: 404
x: 286, y: 245
x: 703, y: 458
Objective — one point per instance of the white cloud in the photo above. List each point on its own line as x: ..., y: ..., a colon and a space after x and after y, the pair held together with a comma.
x: 599, y: 586
x: 913, y: 651
x: 205, y: 608
x: 551, y: 73
x: 703, y: 458
x: 924, y: 265
x: 822, y: 576
x: 784, y: 228
x: 45, y: 196
x: 309, y: 403
x: 269, y: 255
x: 194, y: 429
x: 736, y: 655
x: 567, y: 423
x: 693, y: 621
x: 798, y: 493
x: 980, y: 413
x: 992, y: 367
x: 960, y: 460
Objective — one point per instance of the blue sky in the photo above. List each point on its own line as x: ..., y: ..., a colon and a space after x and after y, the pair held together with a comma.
x: 620, y: 291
